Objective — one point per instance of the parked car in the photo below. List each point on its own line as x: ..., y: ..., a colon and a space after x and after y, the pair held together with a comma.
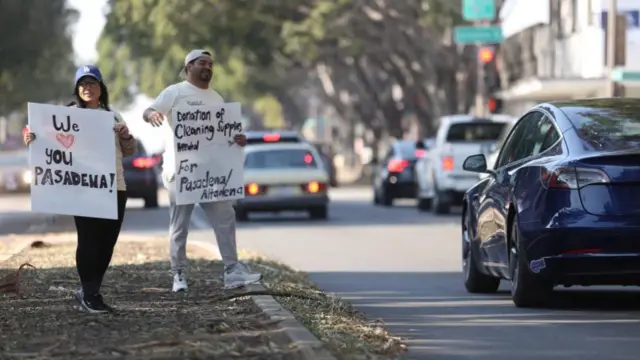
x: 440, y: 179
x: 15, y: 176
x: 561, y: 206
x: 394, y: 176
x: 491, y: 150
x: 141, y: 172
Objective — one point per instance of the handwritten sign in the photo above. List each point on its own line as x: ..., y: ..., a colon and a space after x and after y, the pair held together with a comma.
x: 72, y: 161
x: 209, y: 164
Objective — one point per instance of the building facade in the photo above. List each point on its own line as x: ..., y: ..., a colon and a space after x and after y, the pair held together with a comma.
x: 556, y: 49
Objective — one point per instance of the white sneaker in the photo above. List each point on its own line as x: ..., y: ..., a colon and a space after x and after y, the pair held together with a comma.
x: 179, y: 282
x: 240, y: 275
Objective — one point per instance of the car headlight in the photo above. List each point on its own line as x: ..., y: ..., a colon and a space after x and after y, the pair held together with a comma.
x: 26, y: 177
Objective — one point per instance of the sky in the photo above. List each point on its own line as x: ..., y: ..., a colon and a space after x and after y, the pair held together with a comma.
x: 85, y: 35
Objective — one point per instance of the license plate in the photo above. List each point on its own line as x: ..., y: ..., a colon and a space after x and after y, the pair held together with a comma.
x: 284, y: 190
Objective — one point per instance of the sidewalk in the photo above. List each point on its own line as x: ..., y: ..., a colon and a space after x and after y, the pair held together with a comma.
x: 151, y: 322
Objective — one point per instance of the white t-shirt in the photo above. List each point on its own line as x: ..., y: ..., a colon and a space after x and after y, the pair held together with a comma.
x: 183, y: 93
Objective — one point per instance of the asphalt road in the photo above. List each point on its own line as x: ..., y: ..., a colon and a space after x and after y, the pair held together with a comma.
x: 403, y: 267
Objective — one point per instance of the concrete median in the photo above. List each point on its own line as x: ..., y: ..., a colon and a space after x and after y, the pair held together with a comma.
x: 33, y: 223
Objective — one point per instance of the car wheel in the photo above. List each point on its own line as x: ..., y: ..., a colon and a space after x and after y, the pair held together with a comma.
x: 474, y: 280
x: 319, y: 212
x: 527, y: 290
x: 424, y: 204
x: 242, y: 215
x: 151, y: 200
x: 440, y: 204
x: 385, y: 198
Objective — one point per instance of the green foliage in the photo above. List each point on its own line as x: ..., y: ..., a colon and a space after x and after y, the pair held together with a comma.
x: 271, y: 111
x: 149, y: 39
x: 36, y: 52
x: 272, y: 49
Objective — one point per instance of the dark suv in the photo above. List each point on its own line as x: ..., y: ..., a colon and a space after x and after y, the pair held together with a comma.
x: 141, y: 173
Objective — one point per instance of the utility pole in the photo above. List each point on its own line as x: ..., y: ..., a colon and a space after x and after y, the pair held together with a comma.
x: 612, y: 17
x: 481, y: 99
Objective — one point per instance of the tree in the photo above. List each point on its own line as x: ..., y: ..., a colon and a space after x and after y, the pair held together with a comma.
x: 148, y: 40
x: 387, y: 56
x: 36, y: 52
x: 374, y: 61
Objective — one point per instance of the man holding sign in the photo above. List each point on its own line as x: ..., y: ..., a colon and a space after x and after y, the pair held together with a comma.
x: 197, y: 135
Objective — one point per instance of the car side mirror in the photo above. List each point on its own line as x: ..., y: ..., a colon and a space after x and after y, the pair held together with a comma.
x: 420, y: 145
x: 476, y: 163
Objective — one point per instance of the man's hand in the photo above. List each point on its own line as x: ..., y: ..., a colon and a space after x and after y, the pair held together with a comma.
x: 240, y: 139
x: 122, y: 130
x: 153, y: 117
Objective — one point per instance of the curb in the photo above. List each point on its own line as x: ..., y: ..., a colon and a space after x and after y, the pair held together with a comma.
x: 33, y: 223
x: 290, y: 331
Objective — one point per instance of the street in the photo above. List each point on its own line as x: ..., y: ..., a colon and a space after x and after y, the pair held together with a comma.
x: 403, y: 267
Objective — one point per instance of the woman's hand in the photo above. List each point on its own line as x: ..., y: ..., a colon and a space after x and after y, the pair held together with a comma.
x: 122, y: 130
x: 28, y: 136
x: 240, y: 139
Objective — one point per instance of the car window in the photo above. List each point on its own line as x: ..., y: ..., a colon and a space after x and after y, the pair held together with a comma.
x: 140, y: 148
x: 280, y: 159
x: 474, y: 131
x: 407, y: 150
x: 389, y: 155
x: 549, y: 135
x: 606, y: 126
x: 518, y: 145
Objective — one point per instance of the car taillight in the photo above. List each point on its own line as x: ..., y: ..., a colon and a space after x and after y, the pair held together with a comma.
x: 315, y: 187
x: 252, y: 189
x: 447, y: 163
x: 572, y: 177
x: 144, y: 162
x: 397, y: 165
x: 271, y: 137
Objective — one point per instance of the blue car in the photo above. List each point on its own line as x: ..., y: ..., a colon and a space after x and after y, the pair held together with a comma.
x: 561, y: 205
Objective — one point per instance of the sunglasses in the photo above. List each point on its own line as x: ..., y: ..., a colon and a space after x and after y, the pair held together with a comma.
x: 87, y: 82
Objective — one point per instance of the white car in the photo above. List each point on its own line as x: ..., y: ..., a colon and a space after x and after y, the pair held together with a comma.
x: 281, y: 176
x: 492, y: 151
x: 441, y: 181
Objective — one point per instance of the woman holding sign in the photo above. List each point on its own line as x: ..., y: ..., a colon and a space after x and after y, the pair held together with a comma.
x: 97, y: 237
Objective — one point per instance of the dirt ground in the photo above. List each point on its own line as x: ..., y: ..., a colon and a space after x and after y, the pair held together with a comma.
x: 150, y: 321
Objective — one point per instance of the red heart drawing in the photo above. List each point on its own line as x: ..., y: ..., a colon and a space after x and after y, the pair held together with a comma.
x: 66, y: 140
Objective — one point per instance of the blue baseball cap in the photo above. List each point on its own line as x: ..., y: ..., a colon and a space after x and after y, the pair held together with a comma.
x: 88, y: 70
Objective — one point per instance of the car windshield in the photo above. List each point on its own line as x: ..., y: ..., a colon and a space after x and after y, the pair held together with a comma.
x: 407, y: 150
x: 607, y: 127
x: 475, y: 131
x: 280, y: 159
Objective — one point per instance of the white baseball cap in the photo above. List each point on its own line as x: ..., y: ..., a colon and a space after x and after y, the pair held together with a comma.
x: 192, y: 55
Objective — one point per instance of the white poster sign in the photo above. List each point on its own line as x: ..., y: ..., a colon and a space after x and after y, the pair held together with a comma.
x: 72, y: 161
x: 209, y: 164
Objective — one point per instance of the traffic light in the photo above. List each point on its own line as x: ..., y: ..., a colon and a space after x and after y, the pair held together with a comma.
x: 491, y: 78
x: 495, y: 105
x: 486, y: 54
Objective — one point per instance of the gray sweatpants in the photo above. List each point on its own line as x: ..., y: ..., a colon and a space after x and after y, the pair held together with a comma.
x: 222, y: 218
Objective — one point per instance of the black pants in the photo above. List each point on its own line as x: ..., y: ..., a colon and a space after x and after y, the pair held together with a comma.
x: 96, y: 240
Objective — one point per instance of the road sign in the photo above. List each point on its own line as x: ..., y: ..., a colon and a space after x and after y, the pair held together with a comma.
x: 633, y: 18
x: 622, y: 74
x: 477, y: 34
x: 478, y: 10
